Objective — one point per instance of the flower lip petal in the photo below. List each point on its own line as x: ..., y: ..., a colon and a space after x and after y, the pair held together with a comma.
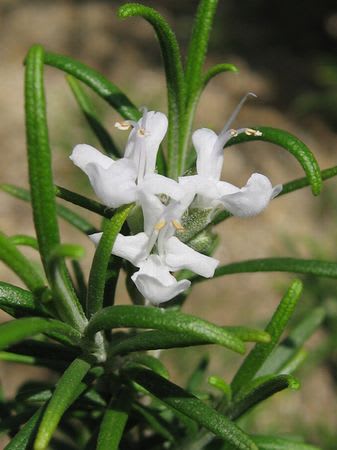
x: 181, y: 256
x: 84, y: 154
x: 155, y: 282
x: 252, y: 198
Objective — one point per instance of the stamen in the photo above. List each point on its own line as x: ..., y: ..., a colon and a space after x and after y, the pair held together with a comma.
x: 123, y: 125
x: 160, y: 225
x: 177, y: 225
x: 236, y: 112
x: 251, y: 132
x: 233, y: 133
x: 141, y: 132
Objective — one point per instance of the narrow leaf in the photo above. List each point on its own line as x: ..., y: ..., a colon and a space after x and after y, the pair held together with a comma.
x: 20, y: 265
x: 149, y: 362
x: 279, y: 443
x: 19, y: 300
x: 100, y: 262
x: 91, y: 117
x: 198, y: 44
x: 113, y: 423
x: 187, y: 404
x: 293, y: 145
x: 17, y: 330
x: 27, y: 241
x: 293, y: 342
x: 198, y: 375
x: 67, y: 390
x: 96, y: 81
x: 32, y: 360
x: 174, y: 74
x: 255, y: 392
x: 155, y: 340
x: 275, y: 328
x: 216, y: 70
x: 24, y: 439
x: 71, y: 217
x: 39, y: 155
x: 155, y: 421
x: 177, y: 322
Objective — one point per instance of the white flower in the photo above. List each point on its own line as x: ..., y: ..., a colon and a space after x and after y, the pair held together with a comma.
x: 157, y: 252
x: 119, y: 182
x: 211, y: 192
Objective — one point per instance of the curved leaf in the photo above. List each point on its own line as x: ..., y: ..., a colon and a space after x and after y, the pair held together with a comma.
x: 183, y: 324
x: 20, y: 301
x: 216, y: 70
x: 258, y: 390
x: 275, y: 328
x: 180, y: 400
x: 96, y: 81
x: 292, y: 265
x: 293, y: 145
x: 102, y: 255
x: 155, y: 340
x: 174, y: 75
x: 27, y: 241
x: 14, y: 259
x: 17, y: 330
x: 67, y: 390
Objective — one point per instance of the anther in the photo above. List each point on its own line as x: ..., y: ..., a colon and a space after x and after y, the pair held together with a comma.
x: 251, y: 132
x: 160, y: 225
x: 177, y: 225
x: 123, y: 125
x: 233, y: 133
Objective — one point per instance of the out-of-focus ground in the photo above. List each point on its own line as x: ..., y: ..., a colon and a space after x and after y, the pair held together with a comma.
x: 127, y: 53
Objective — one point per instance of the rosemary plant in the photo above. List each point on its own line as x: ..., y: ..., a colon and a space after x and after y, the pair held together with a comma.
x: 158, y: 209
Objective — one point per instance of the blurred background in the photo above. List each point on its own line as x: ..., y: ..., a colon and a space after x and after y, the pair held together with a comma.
x: 286, y: 54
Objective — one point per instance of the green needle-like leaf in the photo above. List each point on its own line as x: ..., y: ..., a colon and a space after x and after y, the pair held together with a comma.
x: 71, y: 217
x: 293, y: 342
x: 155, y: 422
x: 198, y: 45
x: 101, y: 259
x: 19, y: 329
x: 258, y: 390
x: 148, y: 361
x: 216, y: 70
x: 67, y: 390
x: 27, y: 241
x: 174, y: 75
x: 113, y: 423
x: 19, y: 301
x: 96, y: 81
x: 39, y: 156
x: 275, y: 328
x: 91, y: 117
x: 292, y: 265
x: 293, y: 145
x: 154, y: 340
x: 180, y: 400
x: 198, y: 375
x: 14, y: 259
x: 32, y: 361
x: 186, y: 325
x: 24, y: 439
x: 278, y: 443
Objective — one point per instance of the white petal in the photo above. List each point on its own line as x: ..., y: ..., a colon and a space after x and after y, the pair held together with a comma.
x: 155, y: 282
x: 252, y: 198
x: 152, y: 210
x: 84, y: 154
x: 131, y: 248
x: 114, y: 186
x: 155, y: 130
x: 181, y: 256
x: 158, y: 184
x: 209, y: 159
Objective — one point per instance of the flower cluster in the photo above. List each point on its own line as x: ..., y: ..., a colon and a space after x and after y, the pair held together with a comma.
x: 157, y: 251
